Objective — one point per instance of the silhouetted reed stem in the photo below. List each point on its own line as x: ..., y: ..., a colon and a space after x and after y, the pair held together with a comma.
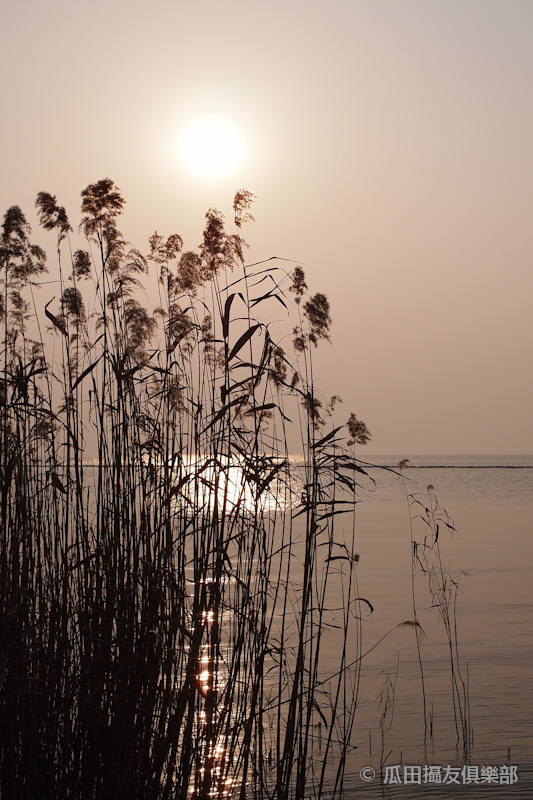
x: 154, y: 641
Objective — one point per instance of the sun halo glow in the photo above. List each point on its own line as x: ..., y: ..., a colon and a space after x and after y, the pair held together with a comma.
x: 211, y: 147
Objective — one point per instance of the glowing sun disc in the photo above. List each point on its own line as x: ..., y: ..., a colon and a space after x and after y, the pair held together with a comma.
x: 211, y: 147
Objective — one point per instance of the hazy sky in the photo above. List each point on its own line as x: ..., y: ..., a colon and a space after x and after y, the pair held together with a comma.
x: 389, y: 143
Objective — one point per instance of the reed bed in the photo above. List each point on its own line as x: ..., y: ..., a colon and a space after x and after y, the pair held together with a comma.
x: 169, y: 588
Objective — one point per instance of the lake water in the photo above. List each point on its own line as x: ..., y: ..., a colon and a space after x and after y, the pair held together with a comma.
x: 489, y: 555
x: 490, y: 499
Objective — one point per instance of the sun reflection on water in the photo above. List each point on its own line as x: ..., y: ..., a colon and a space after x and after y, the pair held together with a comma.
x: 226, y: 485
x: 221, y: 597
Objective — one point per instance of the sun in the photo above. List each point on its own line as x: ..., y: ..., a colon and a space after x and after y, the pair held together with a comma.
x: 211, y: 147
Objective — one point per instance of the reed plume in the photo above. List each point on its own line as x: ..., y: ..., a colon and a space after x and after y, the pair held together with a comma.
x: 164, y: 619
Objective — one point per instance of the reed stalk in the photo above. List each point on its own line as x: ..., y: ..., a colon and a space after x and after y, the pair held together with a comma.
x: 167, y: 578
x: 444, y: 588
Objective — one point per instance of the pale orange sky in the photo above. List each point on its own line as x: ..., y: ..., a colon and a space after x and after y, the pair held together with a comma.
x: 389, y: 143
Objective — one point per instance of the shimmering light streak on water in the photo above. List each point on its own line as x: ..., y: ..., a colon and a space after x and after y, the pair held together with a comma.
x: 229, y: 486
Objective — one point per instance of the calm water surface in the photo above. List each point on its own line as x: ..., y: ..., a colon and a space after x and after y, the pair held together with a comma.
x: 490, y: 499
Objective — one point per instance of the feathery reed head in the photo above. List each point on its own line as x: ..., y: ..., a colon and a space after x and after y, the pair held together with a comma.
x: 359, y: 433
